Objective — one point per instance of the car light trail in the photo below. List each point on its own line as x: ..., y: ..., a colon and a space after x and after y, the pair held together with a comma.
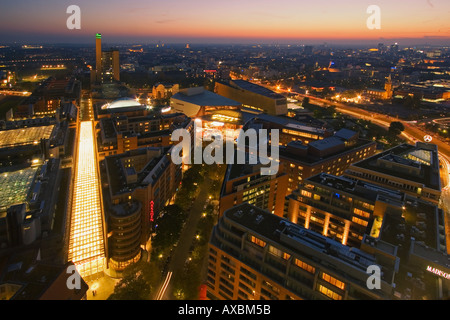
x: 86, y: 244
x: 164, y: 286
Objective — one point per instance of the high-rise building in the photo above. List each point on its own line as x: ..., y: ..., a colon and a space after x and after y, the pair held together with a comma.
x: 332, y: 155
x: 107, y: 63
x: 98, y: 57
x: 110, y: 66
x: 255, y: 255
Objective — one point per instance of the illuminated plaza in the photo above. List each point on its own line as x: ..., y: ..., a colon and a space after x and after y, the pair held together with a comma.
x: 86, y: 245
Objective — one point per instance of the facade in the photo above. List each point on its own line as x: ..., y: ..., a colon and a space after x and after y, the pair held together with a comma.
x: 289, y: 128
x: 140, y: 183
x: 410, y: 169
x: 253, y: 96
x: 244, y: 183
x: 110, y: 66
x: 164, y: 91
x: 255, y: 255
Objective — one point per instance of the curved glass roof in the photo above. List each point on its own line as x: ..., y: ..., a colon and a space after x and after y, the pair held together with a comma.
x: 123, y: 103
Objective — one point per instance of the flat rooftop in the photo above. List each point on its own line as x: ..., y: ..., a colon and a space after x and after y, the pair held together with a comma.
x: 245, y: 85
x: 404, y: 156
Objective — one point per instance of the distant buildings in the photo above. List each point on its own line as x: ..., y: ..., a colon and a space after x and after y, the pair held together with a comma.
x: 253, y: 96
x: 381, y: 94
x: 164, y: 91
x: 48, y: 97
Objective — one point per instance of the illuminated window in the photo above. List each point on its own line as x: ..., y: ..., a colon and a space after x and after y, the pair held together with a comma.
x: 360, y: 221
x: 257, y: 241
x: 361, y: 213
x: 329, y: 293
x: 306, y: 193
x: 305, y: 266
x: 335, y: 282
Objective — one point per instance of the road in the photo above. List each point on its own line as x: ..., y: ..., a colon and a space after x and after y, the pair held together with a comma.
x: 181, y: 252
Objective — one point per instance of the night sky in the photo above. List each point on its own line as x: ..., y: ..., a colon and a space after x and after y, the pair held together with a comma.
x: 408, y: 22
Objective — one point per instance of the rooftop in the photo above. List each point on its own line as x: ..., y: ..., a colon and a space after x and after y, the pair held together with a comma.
x: 298, y: 239
x: 15, y: 186
x: 24, y: 136
x: 402, y: 162
x: 205, y: 98
x: 245, y: 85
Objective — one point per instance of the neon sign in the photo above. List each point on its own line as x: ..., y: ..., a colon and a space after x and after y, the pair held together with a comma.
x: 151, y: 211
x: 438, y: 272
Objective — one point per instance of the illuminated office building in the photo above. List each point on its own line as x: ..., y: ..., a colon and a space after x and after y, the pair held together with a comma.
x: 244, y: 183
x: 107, y: 63
x: 255, y: 255
x: 140, y: 183
x: 413, y: 169
x: 331, y: 155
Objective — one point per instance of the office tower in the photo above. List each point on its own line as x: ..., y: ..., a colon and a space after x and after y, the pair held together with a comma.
x: 98, y: 57
x: 110, y: 66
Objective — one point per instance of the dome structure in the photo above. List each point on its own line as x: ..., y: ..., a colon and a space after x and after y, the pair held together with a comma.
x: 122, y: 103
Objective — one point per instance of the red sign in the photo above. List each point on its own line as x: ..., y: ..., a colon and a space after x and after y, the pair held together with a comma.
x: 151, y: 211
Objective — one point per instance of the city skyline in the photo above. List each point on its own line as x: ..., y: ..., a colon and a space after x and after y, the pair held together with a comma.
x: 284, y: 22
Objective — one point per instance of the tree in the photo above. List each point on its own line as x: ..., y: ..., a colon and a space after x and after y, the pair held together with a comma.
x: 136, y: 284
x: 305, y: 102
x: 169, y: 224
x: 396, y: 128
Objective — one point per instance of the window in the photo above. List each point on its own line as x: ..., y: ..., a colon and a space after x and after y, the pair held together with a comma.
x: 306, y: 193
x: 360, y: 221
x: 257, y: 241
x: 361, y: 213
x: 329, y: 293
x: 335, y: 282
x: 305, y: 266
